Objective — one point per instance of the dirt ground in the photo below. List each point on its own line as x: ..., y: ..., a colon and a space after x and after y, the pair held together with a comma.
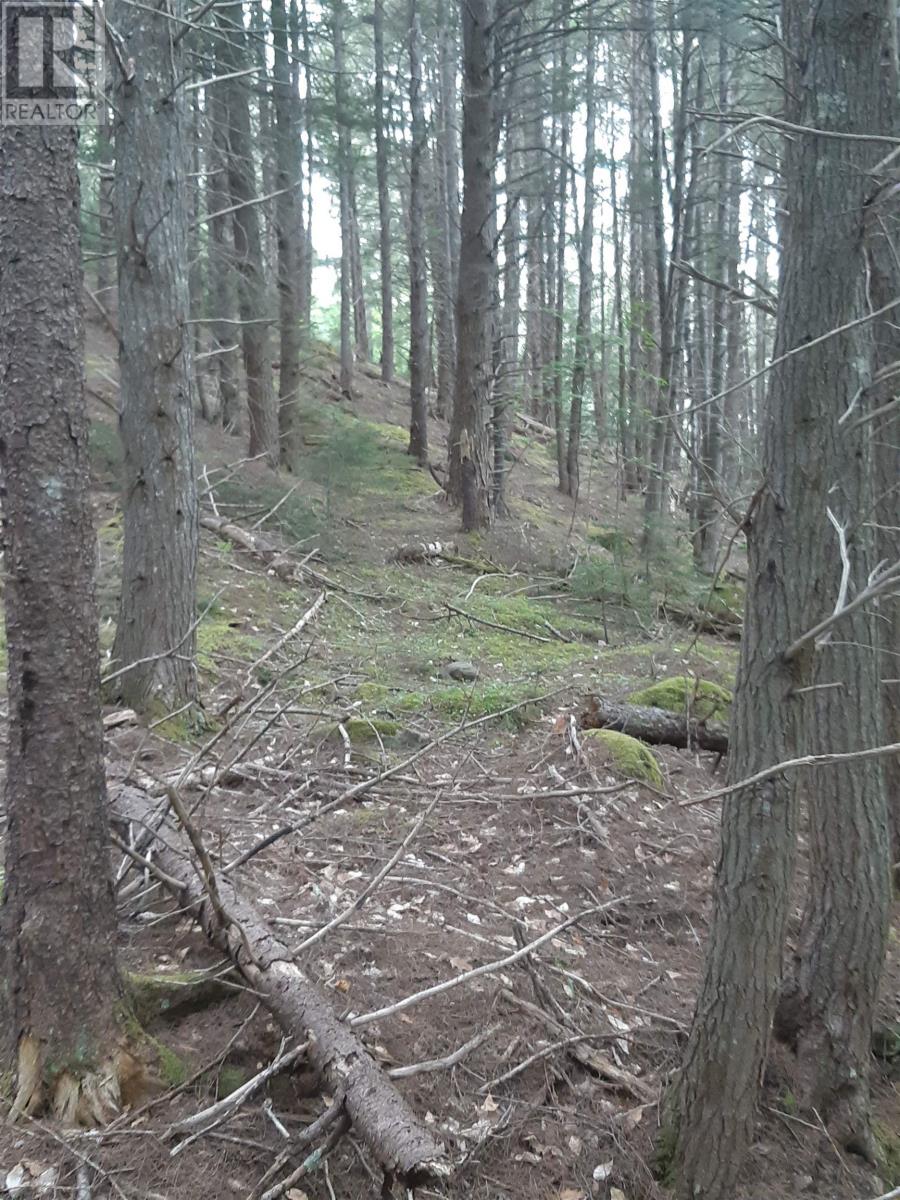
x: 527, y: 826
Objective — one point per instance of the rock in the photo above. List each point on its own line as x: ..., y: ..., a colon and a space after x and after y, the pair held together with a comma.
x: 626, y: 755
x: 462, y: 672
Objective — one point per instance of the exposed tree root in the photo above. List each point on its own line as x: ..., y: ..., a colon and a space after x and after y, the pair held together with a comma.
x: 90, y: 1098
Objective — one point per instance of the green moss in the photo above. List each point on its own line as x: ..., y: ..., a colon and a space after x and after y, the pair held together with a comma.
x: 230, y: 1079
x: 887, y: 1143
x: 467, y: 703
x: 627, y: 755
x: 361, y: 729
x: 220, y: 633
x: 705, y: 700
x: 613, y: 540
x: 171, y: 1068
x: 155, y: 996
x: 790, y: 1104
x: 665, y: 1148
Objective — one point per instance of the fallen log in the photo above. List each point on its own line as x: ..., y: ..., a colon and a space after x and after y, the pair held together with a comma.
x: 721, y: 623
x: 256, y: 544
x: 657, y: 726
x: 380, y: 1115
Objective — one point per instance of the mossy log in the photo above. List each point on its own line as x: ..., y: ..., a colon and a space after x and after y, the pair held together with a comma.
x: 380, y: 1115
x: 657, y: 726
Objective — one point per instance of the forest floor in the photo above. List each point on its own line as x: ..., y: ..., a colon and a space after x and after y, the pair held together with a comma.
x: 502, y: 855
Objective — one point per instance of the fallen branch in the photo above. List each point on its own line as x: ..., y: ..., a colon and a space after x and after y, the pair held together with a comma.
x: 499, y: 964
x: 377, y: 1110
x: 657, y: 726
x: 807, y: 760
x: 449, y: 1060
x: 256, y: 544
x: 591, y: 1059
x: 534, y: 637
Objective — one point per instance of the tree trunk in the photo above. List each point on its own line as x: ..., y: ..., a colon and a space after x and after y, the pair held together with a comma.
x: 222, y: 294
x: 585, y: 276
x: 357, y: 275
x: 791, y: 581
x: 507, y: 385
x: 469, y: 475
x: 262, y: 404
x: 418, y: 293
x: 159, y: 562
x: 384, y: 202
x: 59, y: 988
x: 289, y: 226
x: 344, y: 150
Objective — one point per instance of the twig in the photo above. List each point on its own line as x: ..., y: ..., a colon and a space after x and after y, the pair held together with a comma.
x: 534, y: 637
x: 562, y: 1044
x: 216, y: 1114
x: 303, y: 1139
x: 807, y: 760
x: 360, y: 899
x: 313, y: 611
x: 312, y: 1161
x: 449, y: 1060
x: 490, y: 968
x: 883, y: 579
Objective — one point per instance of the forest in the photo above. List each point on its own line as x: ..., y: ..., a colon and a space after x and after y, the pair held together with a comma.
x: 450, y: 667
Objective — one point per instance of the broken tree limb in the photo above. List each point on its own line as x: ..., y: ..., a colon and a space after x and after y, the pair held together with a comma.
x: 657, y: 726
x: 256, y: 544
x: 376, y: 1109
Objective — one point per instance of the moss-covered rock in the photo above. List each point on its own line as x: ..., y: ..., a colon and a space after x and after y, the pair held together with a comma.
x: 705, y: 700
x: 173, y: 993
x: 626, y: 755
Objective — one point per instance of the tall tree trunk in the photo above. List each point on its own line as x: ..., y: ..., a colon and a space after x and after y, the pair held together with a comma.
x: 344, y: 151
x: 561, y: 82
x: 469, y: 475
x: 154, y: 645
x: 357, y: 275
x: 506, y: 388
x: 533, y: 365
x: 59, y: 988
x: 195, y: 257
x: 585, y: 275
x: 106, y: 273
x: 303, y: 35
x: 262, y: 404
x: 791, y: 582
x: 418, y: 294
x: 445, y: 262
x: 289, y: 226
x: 384, y: 202
x: 220, y: 275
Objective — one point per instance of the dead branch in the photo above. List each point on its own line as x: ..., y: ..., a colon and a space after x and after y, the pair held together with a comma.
x: 490, y: 968
x: 379, y: 1113
x: 448, y: 1061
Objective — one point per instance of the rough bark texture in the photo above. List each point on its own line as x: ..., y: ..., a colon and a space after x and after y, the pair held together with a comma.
x: 585, y: 278
x: 58, y: 985
x: 657, y: 726
x: 791, y: 582
x: 222, y: 291
x: 289, y: 227
x: 344, y: 151
x: 829, y: 1003
x: 384, y: 201
x: 469, y: 477
x: 418, y: 294
x: 379, y: 1113
x: 159, y: 564
x: 262, y: 405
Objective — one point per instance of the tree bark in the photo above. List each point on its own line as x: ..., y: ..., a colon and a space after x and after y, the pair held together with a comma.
x: 657, y: 726
x: 222, y: 292
x: 384, y: 202
x: 791, y: 579
x: 383, y: 1119
x: 418, y: 292
x: 159, y: 563
x: 262, y: 404
x: 289, y: 227
x: 59, y: 988
x: 344, y: 151
x: 583, y: 339
x: 469, y: 475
